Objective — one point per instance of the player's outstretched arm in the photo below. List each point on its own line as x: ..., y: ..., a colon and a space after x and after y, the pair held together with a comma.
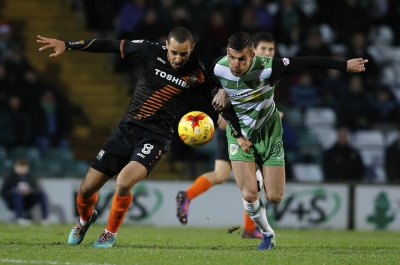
x: 58, y: 46
x: 356, y: 65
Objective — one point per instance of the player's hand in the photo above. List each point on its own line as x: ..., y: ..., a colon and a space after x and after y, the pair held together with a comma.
x: 244, y: 143
x: 356, y: 65
x: 220, y: 101
x: 57, y: 45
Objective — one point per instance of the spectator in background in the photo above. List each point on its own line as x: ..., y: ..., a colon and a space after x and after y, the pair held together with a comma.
x: 342, y: 162
x: 5, y: 87
x: 386, y: 108
x: 21, y: 191
x: 354, y: 109
x: 15, y: 124
x: 151, y: 27
x: 392, y: 161
x: 304, y: 94
x: 52, y: 122
x: 289, y: 22
x: 334, y: 86
x: 6, y: 43
x: 350, y: 19
x: 129, y: 17
x: 357, y: 47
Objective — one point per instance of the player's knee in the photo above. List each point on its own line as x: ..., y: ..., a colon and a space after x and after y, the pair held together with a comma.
x: 86, y: 191
x: 122, y: 189
x: 250, y: 196
x: 274, y: 197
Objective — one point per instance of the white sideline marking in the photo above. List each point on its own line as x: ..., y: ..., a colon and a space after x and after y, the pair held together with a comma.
x: 20, y: 261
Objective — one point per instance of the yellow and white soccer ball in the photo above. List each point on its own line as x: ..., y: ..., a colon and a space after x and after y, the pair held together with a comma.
x: 196, y: 128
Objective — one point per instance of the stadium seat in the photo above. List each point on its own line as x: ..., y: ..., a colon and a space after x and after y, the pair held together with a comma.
x: 75, y: 168
x: 309, y: 143
x: 49, y: 169
x: 391, y: 136
x: 368, y: 139
x: 320, y: 117
x: 29, y: 153
x: 58, y: 154
x: 326, y: 136
x: 293, y: 117
x: 307, y: 172
x: 373, y: 156
x: 3, y: 153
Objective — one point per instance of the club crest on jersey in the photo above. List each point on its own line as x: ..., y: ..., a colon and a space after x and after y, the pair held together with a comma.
x: 169, y: 77
x: 233, y: 149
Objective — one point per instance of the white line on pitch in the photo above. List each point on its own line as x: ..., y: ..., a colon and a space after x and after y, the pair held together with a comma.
x: 20, y: 261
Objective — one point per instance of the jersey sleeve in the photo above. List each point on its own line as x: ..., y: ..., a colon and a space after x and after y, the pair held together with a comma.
x: 138, y: 48
x: 93, y: 45
x: 284, y: 66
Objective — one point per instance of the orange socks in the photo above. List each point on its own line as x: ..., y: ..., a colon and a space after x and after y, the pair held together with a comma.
x: 200, y: 185
x: 249, y: 225
x: 86, y: 206
x: 119, y: 207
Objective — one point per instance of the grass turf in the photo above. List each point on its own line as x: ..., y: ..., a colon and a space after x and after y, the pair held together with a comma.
x: 187, y: 246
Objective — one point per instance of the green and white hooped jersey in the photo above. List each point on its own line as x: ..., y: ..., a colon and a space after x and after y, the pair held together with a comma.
x: 250, y: 94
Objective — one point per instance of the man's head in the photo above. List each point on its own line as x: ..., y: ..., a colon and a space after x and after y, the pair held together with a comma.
x: 179, y: 45
x: 264, y: 44
x: 21, y: 167
x: 240, y: 52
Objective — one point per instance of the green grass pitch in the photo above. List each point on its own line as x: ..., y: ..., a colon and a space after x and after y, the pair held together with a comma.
x: 186, y: 245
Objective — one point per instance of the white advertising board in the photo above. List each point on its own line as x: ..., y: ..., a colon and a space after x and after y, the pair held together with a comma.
x: 304, y: 206
x: 312, y: 206
x: 377, y: 207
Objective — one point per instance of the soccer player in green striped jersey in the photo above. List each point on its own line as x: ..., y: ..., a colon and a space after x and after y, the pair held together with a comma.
x: 257, y: 138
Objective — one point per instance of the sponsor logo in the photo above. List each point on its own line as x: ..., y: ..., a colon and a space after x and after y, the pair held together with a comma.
x: 169, y: 77
x: 233, y: 149
x: 305, y: 208
x: 76, y: 42
x: 383, y: 214
x: 161, y: 60
x: 224, y: 82
x: 100, y: 155
x: 137, y: 41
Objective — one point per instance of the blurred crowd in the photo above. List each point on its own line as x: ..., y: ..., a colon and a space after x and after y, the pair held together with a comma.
x: 33, y: 112
x: 339, y: 29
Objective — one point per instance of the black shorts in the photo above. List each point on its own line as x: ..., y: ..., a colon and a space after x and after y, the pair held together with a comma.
x: 130, y: 142
x: 222, y: 146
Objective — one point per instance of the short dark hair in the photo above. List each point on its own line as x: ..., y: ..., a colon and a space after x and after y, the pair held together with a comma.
x: 21, y: 162
x: 263, y: 36
x: 180, y: 34
x: 240, y: 40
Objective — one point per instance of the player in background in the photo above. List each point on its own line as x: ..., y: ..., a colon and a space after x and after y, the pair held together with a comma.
x: 264, y: 45
x: 249, y: 81
x: 144, y: 134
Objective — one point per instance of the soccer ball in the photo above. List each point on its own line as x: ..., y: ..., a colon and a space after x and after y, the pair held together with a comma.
x: 196, y: 128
